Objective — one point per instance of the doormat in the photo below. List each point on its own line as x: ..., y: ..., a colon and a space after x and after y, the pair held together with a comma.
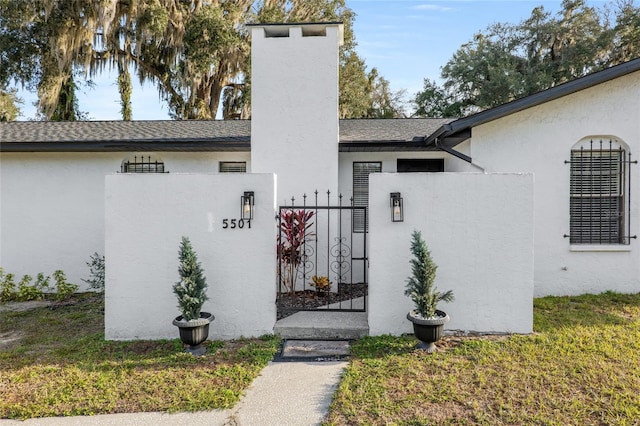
x: 312, y: 350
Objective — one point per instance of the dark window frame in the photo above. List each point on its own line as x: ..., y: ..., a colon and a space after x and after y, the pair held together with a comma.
x: 360, y: 187
x: 232, y: 164
x: 419, y: 165
x: 599, y: 207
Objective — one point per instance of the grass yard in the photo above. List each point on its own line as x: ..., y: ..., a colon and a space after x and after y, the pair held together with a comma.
x: 54, y: 361
x: 581, y: 367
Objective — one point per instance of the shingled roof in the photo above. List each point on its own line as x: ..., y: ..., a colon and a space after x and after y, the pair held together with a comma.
x: 205, y: 135
x: 400, y: 134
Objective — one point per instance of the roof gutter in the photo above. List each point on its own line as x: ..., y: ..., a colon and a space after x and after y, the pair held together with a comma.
x: 125, y: 146
x: 444, y: 131
x: 453, y: 151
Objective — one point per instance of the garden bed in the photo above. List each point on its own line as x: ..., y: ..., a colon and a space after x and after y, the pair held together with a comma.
x: 309, y: 300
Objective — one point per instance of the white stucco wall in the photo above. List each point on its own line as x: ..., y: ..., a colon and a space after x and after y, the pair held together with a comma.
x: 479, y: 229
x: 294, y: 108
x: 539, y: 140
x: 146, y: 216
x: 52, y: 209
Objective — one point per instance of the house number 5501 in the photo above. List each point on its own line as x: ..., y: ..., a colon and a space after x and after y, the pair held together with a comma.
x: 236, y: 223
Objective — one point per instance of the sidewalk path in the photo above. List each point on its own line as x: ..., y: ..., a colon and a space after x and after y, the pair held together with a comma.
x: 285, y: 394
x: 289, y: 393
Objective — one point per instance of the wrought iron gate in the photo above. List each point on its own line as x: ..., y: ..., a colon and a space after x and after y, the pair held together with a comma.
x: 322, y: 257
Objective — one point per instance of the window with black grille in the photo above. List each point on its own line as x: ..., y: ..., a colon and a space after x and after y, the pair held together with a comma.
x: 599, y: 208
x: 232, y: 167
x: 361, y: 172
x: 142, y: 164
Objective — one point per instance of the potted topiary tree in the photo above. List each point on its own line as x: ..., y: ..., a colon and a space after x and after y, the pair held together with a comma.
x: 428, y: 321
x: 191, y: 292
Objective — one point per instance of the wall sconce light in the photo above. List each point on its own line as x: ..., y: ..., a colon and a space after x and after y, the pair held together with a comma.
x: 397, y: 212
x: 247, y: 202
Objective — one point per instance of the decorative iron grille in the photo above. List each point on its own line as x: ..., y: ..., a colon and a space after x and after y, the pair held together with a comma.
x: 317, y: 242
x: 600, y: 198
x: 142, y: 165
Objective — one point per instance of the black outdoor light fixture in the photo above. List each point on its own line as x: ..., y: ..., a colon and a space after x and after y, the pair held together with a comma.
x: 247, y: 202
x: 397, y: 212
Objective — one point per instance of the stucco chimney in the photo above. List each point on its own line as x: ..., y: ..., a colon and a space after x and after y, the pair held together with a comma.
x: 294, y: 105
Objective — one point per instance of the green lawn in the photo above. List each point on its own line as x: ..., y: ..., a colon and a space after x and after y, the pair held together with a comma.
x: 54, y: 361
x: 580, y: 367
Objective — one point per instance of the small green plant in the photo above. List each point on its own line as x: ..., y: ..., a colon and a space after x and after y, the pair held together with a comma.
x: 295, y: 230
x: 320, y: 283
x: 26, y: 291
x: 7, y: 287
x: 420, y: 285
x: 64, y: 289
x: 42, y: 282
x: 191, y: 290
x: 96, y: 272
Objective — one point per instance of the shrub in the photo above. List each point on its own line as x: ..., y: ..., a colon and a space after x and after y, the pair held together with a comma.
x: 320, y: 283
x: 420, y: 285
x: 7, y: 287
x: 26, y: 291
x: 294, y: 230
x: 64, y: 289
x: 96, y: 272
x: 191, y: 290
x: 42, y: 282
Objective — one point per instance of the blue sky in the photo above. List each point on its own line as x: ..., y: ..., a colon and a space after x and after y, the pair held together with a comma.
x: 407, y: 40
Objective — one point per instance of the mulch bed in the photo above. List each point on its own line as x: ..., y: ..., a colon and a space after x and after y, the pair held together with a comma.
x: 307, y: 300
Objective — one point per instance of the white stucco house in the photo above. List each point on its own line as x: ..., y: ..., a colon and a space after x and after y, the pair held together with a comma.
x: 535, y: 197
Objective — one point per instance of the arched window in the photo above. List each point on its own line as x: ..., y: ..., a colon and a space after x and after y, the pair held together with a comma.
x: 142, y: 164
x: 599, y: 186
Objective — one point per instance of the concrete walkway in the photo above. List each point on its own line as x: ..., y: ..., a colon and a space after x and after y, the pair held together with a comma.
x: 289, y: 393
x: 323, y: 325
x: 285, y: 393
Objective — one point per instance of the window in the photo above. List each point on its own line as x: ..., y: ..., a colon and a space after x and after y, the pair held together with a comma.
x: 413, y: 165
x: 598, y: 188
x: 233, y: 167
x: 361, y: 173
x: 142, y: 164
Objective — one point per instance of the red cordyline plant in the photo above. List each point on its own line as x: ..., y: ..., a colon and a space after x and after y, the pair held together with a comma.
x: 294, y: 230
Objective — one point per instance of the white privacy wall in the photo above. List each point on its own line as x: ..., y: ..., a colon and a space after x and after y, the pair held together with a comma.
x: 479, y: 229
x: 52, y: 211
x: 539, y: 140
x: 52, y: 205
x: 146, y: 216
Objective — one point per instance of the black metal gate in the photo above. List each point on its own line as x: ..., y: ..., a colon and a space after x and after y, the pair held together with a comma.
x: 322, y: 257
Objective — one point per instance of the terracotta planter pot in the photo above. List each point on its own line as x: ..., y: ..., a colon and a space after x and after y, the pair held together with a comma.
x: 428, y: 331
x: 195, y: 332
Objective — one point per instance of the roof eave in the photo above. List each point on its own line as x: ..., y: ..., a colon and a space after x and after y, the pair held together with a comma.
x: 453, y: 133
x: 196, y: 146
x: 385, y: 146
x: 126, y: 146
